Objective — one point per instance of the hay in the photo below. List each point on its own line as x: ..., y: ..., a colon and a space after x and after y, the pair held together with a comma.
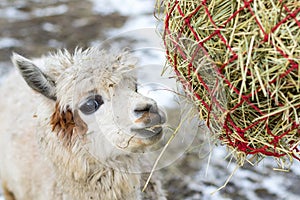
x: 239, y: 61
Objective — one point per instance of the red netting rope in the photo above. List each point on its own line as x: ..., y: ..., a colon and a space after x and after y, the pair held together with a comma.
x: 229, y: 125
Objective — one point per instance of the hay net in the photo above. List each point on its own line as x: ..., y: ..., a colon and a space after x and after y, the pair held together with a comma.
x: 239, y: 62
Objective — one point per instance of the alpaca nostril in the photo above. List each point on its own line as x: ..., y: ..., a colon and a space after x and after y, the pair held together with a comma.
x: 148, y: 107
x: 142, y: 108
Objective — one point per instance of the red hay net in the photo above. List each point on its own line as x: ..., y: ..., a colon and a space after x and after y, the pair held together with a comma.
x: 229, y: 125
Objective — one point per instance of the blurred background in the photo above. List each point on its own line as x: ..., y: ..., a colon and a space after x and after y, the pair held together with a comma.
x: 34, y: 27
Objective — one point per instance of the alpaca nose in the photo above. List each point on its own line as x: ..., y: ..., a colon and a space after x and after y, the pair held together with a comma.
x: 147, y: 113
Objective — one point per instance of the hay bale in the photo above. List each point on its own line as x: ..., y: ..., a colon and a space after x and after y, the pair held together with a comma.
x: 239, y: 61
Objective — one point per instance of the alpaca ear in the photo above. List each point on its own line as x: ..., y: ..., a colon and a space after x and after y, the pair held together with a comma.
x: 34, y: 77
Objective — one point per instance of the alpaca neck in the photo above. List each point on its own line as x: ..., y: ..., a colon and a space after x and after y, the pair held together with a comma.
x: 112, y: 179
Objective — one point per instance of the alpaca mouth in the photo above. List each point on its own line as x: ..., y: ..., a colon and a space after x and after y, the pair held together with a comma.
x: 148, y: 133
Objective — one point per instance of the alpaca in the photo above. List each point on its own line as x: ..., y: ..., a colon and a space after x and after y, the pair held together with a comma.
x: 77, y: 130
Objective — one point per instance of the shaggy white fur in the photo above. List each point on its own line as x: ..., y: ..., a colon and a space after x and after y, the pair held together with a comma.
x: 76, y: 136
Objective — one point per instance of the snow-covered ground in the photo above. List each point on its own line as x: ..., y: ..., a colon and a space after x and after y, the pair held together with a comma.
x: 200, y: 173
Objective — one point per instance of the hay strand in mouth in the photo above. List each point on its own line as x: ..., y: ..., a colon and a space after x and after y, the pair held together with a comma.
x: 239, y: 62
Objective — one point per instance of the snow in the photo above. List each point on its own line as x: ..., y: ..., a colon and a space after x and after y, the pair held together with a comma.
x: 247, y: 180
x: 55, y: 44
x: 51, y: 11
x: 123, y: 7
x: 7, y: 42
x: 135, y: 23
x: 50, y: 27
x: 13, y: 13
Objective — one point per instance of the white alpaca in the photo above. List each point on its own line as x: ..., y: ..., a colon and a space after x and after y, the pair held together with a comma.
x: 77, y: 135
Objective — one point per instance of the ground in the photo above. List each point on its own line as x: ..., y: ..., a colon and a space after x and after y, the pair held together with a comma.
x: 34, y: 27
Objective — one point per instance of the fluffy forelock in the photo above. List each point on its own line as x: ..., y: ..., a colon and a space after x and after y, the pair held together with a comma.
x: 84, y: 70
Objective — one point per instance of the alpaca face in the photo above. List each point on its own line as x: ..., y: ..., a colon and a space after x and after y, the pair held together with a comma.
x: 95, y: 100
x: 120, y: 121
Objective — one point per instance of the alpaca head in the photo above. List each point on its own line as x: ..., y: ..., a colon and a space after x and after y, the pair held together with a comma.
x: 93, y: 101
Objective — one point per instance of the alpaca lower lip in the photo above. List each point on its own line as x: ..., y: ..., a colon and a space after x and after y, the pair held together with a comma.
x: 148, y: 132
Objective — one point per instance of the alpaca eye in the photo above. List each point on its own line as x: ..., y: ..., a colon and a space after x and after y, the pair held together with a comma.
x: 91, y: 105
